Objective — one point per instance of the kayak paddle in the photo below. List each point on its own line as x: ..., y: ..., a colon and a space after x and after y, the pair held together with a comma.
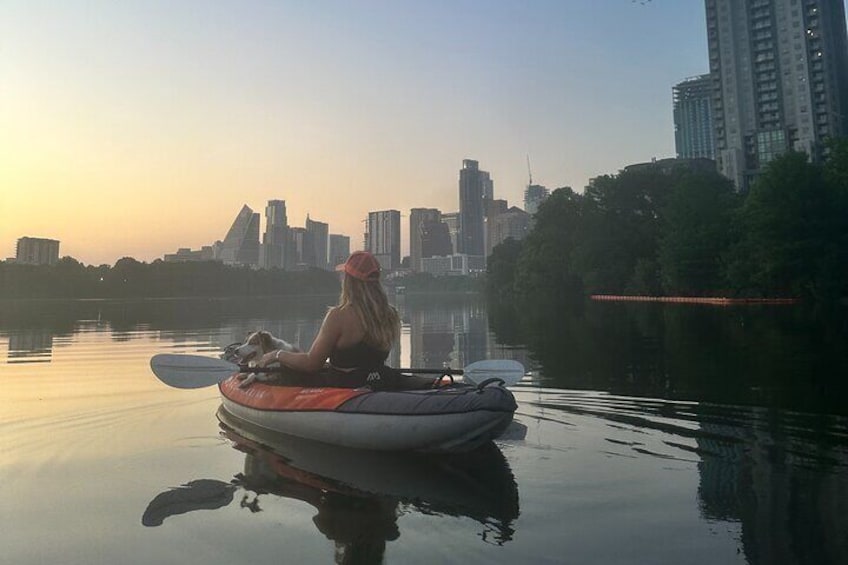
x: 197, y: 371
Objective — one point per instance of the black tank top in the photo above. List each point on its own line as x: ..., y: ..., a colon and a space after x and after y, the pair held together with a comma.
x: 358, y: 356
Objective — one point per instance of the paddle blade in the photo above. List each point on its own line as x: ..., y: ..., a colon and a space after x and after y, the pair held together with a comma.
x: 510, y: 371
x: 190, y: 371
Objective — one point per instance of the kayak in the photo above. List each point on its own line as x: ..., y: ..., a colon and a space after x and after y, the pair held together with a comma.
x: 451, y: 418
x: 478, y: 484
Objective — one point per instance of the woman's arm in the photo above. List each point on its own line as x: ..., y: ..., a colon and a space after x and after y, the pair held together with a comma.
x: 314, y: 359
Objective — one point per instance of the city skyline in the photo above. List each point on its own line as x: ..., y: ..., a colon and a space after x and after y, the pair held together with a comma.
x: 134, y: 129
x: 290, y: 247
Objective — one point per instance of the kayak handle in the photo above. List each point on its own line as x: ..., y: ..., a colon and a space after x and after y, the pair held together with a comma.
x: 489, y: 381
x: 438, y: 382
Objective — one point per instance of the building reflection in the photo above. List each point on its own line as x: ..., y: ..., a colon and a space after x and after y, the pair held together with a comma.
x: 453, y: 332
x: 784, y: 478
x: 30, y: 346
x: 442, y: 330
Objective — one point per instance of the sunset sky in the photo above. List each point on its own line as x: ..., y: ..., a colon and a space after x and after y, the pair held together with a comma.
x: 134, y: 128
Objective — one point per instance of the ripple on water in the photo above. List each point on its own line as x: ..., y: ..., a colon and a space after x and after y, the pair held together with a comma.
x: 92, y: 394
x: 688, y: 431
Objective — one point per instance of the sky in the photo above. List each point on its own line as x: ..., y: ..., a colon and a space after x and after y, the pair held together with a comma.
x: 135, y: 128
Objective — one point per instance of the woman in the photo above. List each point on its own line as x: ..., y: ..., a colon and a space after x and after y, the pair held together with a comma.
x: 355, y: 335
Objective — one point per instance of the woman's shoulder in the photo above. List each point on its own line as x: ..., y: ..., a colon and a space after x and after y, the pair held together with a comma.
x: 341, y: 314
x: 339, y: 310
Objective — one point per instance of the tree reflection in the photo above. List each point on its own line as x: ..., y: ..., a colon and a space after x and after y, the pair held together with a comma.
x: 783, y: 477
x: 781, y: 356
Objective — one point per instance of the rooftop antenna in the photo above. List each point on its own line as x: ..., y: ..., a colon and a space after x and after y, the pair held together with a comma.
x: 529, y: 172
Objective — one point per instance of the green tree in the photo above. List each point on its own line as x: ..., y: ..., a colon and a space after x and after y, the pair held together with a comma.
x: 696, y: 233
x: 501, y: 268
x: 786, y: 231
x: 544, y: 267
x: 623, y: 222
x: 72, y: 278
x: 128, y: 277
x: 836, y: 176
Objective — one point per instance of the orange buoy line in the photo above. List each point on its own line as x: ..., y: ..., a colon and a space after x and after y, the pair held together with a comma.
x: 717, y: 301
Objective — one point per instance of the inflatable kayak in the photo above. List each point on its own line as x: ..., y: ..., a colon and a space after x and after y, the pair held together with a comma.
x: 456, y: 417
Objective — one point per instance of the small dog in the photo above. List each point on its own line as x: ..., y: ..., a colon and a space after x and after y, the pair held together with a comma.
x: 255, y: 346
x: 259, y: 343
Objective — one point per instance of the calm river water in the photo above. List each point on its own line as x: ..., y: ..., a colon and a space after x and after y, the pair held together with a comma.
x: 644, y: 434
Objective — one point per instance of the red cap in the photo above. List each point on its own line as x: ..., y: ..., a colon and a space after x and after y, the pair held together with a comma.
x: 361, y: 265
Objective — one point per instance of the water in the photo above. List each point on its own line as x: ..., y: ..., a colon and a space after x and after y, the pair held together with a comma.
x: 621, y: 451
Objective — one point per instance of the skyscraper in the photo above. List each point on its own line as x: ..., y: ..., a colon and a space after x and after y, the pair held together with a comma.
x: 534, y: 195
x: 693, y: 118
x: 298, y: 249
x: 319, y: 233
x: 435, y: 241
x: 275, y: 236
x: 780, y: 80
x: 382, y: 237
x: 475, y: 186
x: 417, y: 218
x: 37, y: 251
x: 241, y: 246
x: 339, y: 249
x: 492, y: 209
x: 513, y: 223
x: 451, y: 219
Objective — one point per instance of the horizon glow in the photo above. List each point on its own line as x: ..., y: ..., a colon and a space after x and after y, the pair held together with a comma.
x: 137, y: 128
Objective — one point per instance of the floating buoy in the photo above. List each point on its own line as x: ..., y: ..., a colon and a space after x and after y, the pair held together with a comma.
x: 718, y: 301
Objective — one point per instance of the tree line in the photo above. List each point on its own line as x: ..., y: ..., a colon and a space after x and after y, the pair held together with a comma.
x: 131, y: 278
x: 684, y: 232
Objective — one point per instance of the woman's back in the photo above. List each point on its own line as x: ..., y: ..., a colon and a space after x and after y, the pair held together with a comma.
x: 359, y: 332
x: 352, y: 349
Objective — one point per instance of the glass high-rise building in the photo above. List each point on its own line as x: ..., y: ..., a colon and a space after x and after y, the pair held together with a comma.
x: 37, y: 251
x: 418, y: 217
x: 435, y: 241
x: 693, y: 118
x: 297, y: 249
x: 451, y: 219
x: 779, y: 71
x: 475, y: 186
x: 319, y: 234
x: 534, y: 195
x: 339, y: 249
x: 241, y: 245
x: 382, y: 237
x: 276, y: 235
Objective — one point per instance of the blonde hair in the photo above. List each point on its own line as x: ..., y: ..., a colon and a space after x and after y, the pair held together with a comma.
x: 378, y: 318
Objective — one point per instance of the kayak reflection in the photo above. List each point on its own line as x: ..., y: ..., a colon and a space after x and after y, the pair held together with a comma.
x: 358, y: 494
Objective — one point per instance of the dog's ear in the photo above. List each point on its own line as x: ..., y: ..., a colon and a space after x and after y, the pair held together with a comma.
x: 265, y: 340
